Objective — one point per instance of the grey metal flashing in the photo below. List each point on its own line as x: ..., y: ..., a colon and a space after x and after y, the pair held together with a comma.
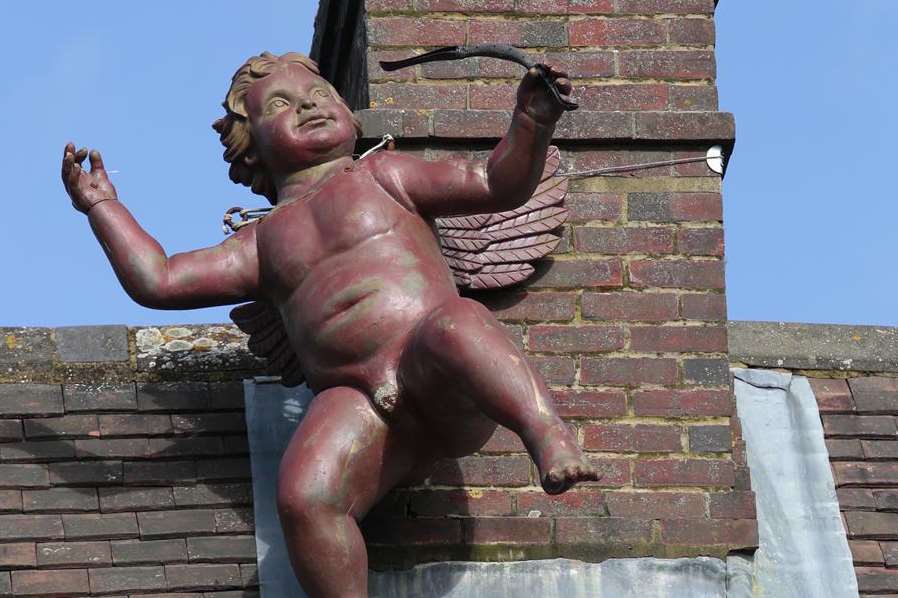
x: 814, y: 346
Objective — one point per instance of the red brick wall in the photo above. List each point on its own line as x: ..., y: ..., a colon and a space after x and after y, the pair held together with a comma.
x: 626, y: 321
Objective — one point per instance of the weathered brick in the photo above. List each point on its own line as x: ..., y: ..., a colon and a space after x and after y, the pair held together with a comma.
x: 173, y: 396
x: 49, y: 450
x: 572, y: 274
x: 106, y: 448
x: 126, y: 579
x: 554, y: 369
x: 465, y: 5
x: 691, y: 98
x: 30, y: 527
x: 375, y: 6
x: 602, y: 531
x: 691, y: 532
x: 92, y: 344
x: 710, y: 439
x: 100, y: 526
x: 691, y: 31
x: 621, y: 241
x: 234, y: 521
x: 113, y: 500
x: 665, y: 6
x: 100, y: 397
x: 163, y: 473
x: 59, y: 500
x: 683, y: 472
x: 596, y: 124
x: 196, y: 446
x: 675, y: 207
x: 867, y: 426
x: 213, y: 495
x: 884, y: 500
x: 507, y: 530
x: 617, y: 32
x: 460, y: 124
x: 503, y: 440
x: 521, y: 33
x: 700, y: 241
x: 682, y: 274
x: 665, y: 339
x: 149, y: 552
x: 615, y: 472
x: 10, y: 430
x: 23, y: 476
x: 412, y: 532
x: 531, y: 307
x: 565, y: 6
x: 420, y: 96
x: 863, y: 524
x: 572, y: 503
x: 627, y: 97
x: 637, y: 307
x: 17, y: 555
x: 685, y: 126
x: 65, y: 582
x: 576, y: 339
x: 706, y: 372
x: 30, y: 348
x: 590, y: 403
x: 73, y: 554
x: 877, y: 580
x: 880, y: 449
x: 163, y: 524
x: 86, y: 473
x: 585, y: 64
x: 832, y: 396
x: 30, y: 399
x: 203, y: 577
x: 683, y: 65
x: 10, y: 501
x: 209, y: 423
x: 5, y: 584
x: 642, y: 438
x: 65, y: 426
x: 223, y: 470
x: 460, y: 502
x: 856, y: 498
x: 135, y: 424
x: 865, y: 474
x: 875, y: 394
x: 483, y: 471
x: 587, y: 207
x: 844, y: 449
x: 218, y: 549
x: 732, y: 505
x: 707, y: 307
x: 889, y: 553
x: 683, y: 403
x: 408, y: 31
x: 866, y: 552
x: 627, y: 371
x: 656, y: 505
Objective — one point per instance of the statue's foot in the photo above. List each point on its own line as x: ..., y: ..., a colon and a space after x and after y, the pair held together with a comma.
x: 561, y: 463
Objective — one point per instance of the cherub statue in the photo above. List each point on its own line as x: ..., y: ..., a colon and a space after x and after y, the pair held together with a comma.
x: 352, y: 294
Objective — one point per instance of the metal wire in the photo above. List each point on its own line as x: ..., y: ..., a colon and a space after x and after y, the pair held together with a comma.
x: 629, y: 167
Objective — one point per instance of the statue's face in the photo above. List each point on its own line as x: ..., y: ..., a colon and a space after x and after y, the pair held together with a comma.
x: 297, y: 120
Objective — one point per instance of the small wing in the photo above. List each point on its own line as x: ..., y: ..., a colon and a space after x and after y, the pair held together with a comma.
x: 488, y: 251
x: 268, y: 340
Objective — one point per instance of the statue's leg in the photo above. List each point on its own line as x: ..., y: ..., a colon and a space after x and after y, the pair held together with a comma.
x: 459, y: 354
x: 341, y: 460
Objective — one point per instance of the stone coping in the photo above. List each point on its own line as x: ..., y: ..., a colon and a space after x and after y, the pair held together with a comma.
x: 814, y: 346
x: 218, y: 351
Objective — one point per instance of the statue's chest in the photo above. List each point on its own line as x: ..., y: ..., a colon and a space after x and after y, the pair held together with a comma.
x: 340, y: 218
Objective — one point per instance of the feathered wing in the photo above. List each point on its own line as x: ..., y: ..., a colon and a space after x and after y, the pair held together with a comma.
x: 268, y: 340
x: 488, y: 251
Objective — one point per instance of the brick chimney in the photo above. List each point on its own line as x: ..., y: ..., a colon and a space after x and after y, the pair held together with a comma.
x: 626, y: 321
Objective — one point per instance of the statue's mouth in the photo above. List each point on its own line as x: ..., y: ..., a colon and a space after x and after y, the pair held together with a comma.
x: 314, y: 121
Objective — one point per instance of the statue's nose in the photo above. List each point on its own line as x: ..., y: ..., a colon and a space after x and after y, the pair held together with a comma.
x: 306, y: 103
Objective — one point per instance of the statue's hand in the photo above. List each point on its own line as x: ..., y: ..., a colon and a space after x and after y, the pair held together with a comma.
x: 536, y: 100
x: 86, y: 189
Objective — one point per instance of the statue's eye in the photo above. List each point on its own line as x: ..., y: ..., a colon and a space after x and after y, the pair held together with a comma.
x: 322, y: 93
x: 277, y: 104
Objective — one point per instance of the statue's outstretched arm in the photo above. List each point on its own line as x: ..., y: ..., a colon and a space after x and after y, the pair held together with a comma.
x: 503, y: 182
x: 221, y: 275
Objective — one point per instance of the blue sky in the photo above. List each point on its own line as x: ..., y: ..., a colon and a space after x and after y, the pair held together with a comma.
x: 810, y: 212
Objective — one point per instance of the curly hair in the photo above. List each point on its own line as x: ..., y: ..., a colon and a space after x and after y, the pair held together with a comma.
x: 233, y: 128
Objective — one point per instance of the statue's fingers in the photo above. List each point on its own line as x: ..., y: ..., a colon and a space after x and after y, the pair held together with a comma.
x: 564, y: 86
x: 96, y: 163
x: 69, y: 149
x: 67, y: 160
x: 80, y: 155
x: 74, y: 175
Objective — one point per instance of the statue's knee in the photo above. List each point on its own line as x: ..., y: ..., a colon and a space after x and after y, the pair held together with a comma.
x: 300, y: 503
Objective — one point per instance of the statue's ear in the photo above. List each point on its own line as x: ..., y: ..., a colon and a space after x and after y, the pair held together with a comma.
x: 250, y: 158
x: 236, y: 103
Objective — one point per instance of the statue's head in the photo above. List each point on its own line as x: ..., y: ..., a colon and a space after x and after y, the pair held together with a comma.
x: 282, y: 117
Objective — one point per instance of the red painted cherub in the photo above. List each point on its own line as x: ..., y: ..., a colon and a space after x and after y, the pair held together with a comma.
x: 353, y: 295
